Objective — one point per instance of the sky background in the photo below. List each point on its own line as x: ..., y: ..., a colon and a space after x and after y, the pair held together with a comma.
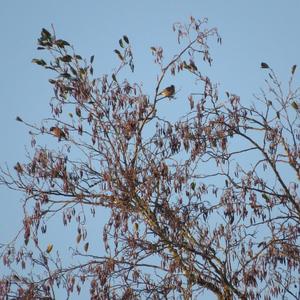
x: 252, y: 32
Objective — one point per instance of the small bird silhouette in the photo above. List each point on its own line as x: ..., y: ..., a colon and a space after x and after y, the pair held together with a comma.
x: 168, y: 91
x: 58, y: 132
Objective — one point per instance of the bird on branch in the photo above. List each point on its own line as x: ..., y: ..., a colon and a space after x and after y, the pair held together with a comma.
x: 58, y: 132
x: 168, y: 91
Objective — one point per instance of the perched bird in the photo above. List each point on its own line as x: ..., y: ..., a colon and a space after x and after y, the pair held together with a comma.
x: 168, y: 91
x: 264, y: 65
x: 49, y: 248
x: 57, y: 132
x: 295, y: 106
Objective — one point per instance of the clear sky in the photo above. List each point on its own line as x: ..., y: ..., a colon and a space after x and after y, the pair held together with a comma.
x: 252, y: 32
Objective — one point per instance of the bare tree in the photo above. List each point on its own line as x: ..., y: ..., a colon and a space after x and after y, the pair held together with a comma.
x: 208, y: 201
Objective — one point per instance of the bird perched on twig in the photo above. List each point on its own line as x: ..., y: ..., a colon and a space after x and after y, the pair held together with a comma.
x: 58, y: 133
x: 168, y: 91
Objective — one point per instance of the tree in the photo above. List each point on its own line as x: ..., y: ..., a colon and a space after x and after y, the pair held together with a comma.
x: 206, y: 202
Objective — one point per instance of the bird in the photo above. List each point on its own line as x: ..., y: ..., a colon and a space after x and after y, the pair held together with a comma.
x: 168, y: 91
x: 58, y: 132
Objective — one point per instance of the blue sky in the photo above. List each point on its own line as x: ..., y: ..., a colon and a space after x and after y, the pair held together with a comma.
x: 252, y: 32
